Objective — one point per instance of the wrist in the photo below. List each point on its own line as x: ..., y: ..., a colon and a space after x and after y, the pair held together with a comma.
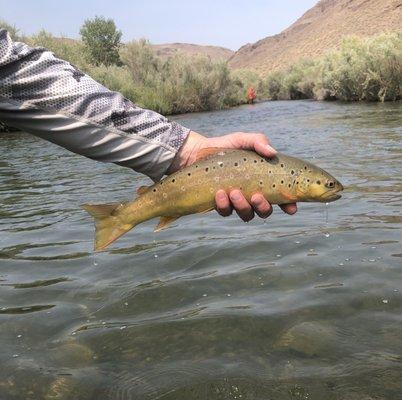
x: 187, y: 153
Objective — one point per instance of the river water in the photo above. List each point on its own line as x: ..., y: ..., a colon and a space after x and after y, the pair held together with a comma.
x: 298, y: 307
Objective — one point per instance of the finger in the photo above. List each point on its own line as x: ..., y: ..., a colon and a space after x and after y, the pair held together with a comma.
x: 261, y: 205
x: 258, y: 142
x: 241, y: 205
x: 289, y: 208
x: 223, y: 205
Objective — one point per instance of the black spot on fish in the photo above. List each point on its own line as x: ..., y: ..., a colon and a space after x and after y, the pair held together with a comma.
x: 262, y: 160
x: 206, y: 169
x: 189, y: 174
x: 318, y: 182
x: 282, y: 182
x: 261, y: 183
x: 173, y: 180
x: 305, y: 167
x: 308, y: 180
x: 245, y: 159
x: 273, y: 185
x: 236, y: 164
x: 282, y: 165
x: 292, y: 172
x: 289, y: 185
x: 154, y: 190
x: 255, y: 161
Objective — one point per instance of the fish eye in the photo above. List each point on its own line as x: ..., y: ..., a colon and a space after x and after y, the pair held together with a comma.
x: 330, y: 184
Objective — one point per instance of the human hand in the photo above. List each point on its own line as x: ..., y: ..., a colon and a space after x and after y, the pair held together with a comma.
x: 225, y: 203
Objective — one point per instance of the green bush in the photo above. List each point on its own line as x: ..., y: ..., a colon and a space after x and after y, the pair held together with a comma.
x: 362, y: 69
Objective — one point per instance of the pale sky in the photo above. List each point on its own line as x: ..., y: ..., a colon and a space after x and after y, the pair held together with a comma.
x: 227, y: 23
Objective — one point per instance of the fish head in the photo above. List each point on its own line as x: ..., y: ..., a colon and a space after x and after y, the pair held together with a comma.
x: 317, y: 185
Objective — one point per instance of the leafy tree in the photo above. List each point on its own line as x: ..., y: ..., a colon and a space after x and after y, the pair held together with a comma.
x: 102, y: 41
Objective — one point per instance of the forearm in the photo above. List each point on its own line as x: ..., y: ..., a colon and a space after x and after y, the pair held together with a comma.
x: 50, y: 98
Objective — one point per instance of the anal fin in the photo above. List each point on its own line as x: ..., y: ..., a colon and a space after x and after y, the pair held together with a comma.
x: 164, y: 222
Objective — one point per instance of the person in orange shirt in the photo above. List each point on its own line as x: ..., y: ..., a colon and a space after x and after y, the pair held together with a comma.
x: 251, y: 96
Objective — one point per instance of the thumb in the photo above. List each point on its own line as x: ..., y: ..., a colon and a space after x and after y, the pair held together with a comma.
x: 259, y: 143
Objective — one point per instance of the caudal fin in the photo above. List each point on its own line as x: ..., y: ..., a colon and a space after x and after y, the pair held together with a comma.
x: 108, y: 227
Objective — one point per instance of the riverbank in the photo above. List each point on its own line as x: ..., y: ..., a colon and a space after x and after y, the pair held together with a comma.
x: 362, y: 69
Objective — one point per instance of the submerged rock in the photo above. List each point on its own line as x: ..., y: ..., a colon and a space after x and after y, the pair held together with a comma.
x: 308, y: 338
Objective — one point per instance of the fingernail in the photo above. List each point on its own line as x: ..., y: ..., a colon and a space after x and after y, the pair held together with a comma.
x: 221, y: 195
x: 257, y: 200
x: 235, y: 196
x: 271, y: 150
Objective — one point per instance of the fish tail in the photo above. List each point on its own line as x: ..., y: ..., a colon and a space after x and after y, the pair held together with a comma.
x: 108, y: 227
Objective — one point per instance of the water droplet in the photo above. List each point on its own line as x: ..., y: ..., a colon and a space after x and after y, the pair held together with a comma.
x: 385, y: 301
x: 204, y: 295
x: 341, y: 264
x: 123, y: 327
x: 373, y: 247
x: 19, y: 336
x: 396, y: 290
x: 279, y: 255
x: 326, y: 234
x: 126, y: 304
x: 15, y: 355
x: 228, y: 295
x: 372, y: 260
x: 262, y: 284
x: 155, y: 255
x: 74, y: 333
x: 297, y: 242
x: 103, y: 323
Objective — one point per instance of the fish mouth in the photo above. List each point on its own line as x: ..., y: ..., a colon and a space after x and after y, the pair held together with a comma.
x: 332, y: 195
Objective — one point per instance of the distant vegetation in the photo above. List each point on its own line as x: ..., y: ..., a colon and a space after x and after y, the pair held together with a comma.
x: 178, y: 84
x: 361, y: 69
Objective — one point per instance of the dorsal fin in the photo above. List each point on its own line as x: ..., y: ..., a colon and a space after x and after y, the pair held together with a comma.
x: 142, y: 189
x: 208, y: 151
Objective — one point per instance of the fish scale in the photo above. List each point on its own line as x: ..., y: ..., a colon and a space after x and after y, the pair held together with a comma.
x: 281, y: 179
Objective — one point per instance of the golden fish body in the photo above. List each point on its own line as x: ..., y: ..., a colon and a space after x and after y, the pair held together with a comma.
x: 281, y: 179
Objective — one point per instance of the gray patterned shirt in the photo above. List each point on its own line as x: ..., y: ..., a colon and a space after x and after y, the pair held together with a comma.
x: 50, y: 98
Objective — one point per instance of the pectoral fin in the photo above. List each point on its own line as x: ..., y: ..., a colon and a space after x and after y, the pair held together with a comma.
x: 207, y: 210
x: 164, y: 222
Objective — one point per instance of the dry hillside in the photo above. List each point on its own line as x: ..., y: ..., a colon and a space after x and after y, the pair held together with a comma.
x: 319, y: 29
x: 214, y: 52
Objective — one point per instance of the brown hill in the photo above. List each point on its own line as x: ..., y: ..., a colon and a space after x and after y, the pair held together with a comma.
x: 319, y: 29
x: 214, y: 52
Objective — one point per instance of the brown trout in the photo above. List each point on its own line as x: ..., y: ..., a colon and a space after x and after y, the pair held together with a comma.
x: 281, y: 179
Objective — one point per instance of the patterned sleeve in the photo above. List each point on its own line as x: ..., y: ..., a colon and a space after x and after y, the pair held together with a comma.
x: 50, y: 98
